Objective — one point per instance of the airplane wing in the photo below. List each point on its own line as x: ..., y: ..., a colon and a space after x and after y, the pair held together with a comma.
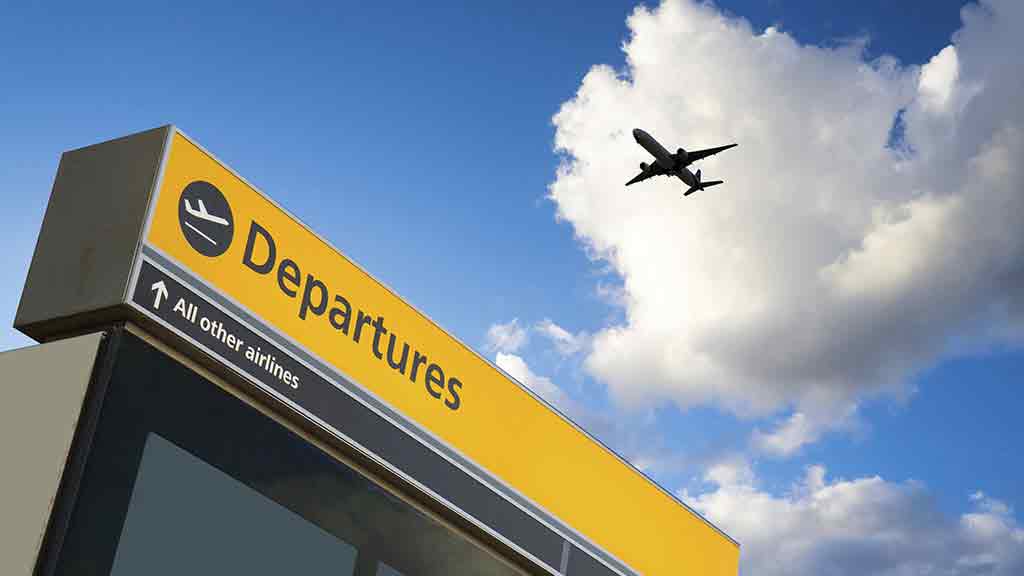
x: 700, y: 154
x: 653, y: 170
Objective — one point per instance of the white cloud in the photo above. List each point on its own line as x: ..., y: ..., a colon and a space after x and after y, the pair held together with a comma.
x: 990, y: 505
x: 828, y: 267
x: 801, y: 429
x: 508, y: 337
x: 517, y: 368
x: 730, y: 471
x: 566, y: 343
x: 788, y: 437
x: 938, y: 80
x: 862, y: 526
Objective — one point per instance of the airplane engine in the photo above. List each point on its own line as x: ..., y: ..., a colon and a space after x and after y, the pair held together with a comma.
x: 643, y: 166
x: 681, y: 155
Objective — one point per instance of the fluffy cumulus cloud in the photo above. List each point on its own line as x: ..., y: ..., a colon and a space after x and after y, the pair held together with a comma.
x: 837, y: 259
x: 801, y: 429
x: 854, y: 527
x: 508, y: 337
x: 565, y: 342
x: 517, y: 368
x: 788, y: 437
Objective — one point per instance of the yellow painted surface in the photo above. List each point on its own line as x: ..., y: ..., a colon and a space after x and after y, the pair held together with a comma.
x: 497, y: 424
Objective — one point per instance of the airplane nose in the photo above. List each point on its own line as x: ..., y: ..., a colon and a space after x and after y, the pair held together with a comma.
x: 636, y: 134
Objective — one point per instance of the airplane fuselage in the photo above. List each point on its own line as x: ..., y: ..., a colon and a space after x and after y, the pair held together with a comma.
x: 686, y: 176
x: 663, y: 157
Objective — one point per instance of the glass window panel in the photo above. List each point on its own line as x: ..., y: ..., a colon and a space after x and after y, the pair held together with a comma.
x: 187, y: 517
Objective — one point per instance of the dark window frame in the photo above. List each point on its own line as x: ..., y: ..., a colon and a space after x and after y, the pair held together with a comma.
x: 137, y: 390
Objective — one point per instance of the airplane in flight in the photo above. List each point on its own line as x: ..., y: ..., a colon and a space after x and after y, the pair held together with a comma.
x: 669, y: 164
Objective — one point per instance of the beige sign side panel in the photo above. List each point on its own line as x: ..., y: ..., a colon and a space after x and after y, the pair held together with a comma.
x: 90, y: 234
x: 41, y: 395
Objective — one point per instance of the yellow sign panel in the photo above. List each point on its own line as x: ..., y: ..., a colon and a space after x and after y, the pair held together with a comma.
x: 295, y: 282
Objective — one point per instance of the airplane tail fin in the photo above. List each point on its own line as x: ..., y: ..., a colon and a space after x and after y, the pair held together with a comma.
x: 703, y: 185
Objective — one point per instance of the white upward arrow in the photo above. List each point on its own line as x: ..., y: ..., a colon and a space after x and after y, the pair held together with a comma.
x: 161, y: 292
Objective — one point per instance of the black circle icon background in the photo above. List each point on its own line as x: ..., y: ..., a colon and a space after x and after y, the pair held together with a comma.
x: 206, y: 236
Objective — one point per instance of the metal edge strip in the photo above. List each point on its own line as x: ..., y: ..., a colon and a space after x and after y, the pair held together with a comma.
x: 158, y: 182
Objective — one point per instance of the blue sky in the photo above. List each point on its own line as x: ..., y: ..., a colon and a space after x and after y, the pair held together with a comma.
x: 420, y: 139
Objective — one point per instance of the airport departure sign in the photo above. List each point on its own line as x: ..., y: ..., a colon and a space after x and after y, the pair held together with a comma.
x: 227, y: 270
